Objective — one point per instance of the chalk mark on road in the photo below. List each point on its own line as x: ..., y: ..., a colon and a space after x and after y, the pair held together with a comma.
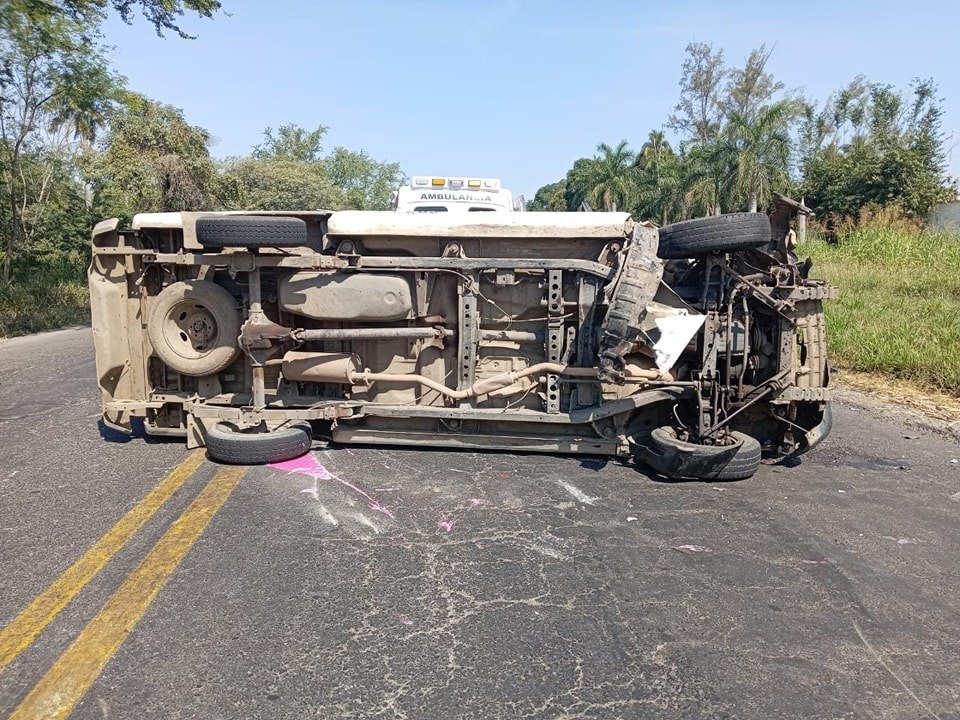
x: 890, y: 670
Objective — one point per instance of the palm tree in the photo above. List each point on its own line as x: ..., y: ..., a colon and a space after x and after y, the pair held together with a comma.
x: 701, y: 172
x: 661, y: 191
x: 758, y: 151
x: 610, y: 179
x: 654, y: 153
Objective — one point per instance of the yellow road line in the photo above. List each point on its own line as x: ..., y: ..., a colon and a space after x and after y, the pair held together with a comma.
x: 24, y: 628
x: 65, y: 684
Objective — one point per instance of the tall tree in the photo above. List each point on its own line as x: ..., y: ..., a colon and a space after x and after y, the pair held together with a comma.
x: 660, y: 180
x: 757, y: 148
x: 699, y: 117
x: 871, y: 144
x: 574, y: 193
x: 152, y: 160
x: 52, y: 74
x: 550, y: 198
x: 288, y: 171
x: 291, y: 142
x: 699, y: 113
x: 734, y: 121
x: 654, y: 153
x: 751, y: 88
x: 162, y: 14
x: 705, y: 179
x: 365, y: 183
x: 610, y: 179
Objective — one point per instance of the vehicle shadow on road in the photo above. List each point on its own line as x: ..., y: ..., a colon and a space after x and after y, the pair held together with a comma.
x: 137, y: 432
x: 595, y: 463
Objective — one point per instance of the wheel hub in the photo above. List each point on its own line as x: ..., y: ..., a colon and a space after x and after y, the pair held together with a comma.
x: 195, y: 326
x: 201, y: 329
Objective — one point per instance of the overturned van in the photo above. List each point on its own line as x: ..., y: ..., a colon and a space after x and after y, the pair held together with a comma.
x: 694, y: 349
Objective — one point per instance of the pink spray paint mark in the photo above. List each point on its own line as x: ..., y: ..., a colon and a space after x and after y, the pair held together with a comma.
x: 309, y: 465
x: 446, y: 522
x: 402, y: 618
x: 304, y: 465
x: 690, y: 549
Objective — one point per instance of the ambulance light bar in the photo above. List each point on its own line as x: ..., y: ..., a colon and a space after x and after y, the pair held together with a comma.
x: 490, y: 184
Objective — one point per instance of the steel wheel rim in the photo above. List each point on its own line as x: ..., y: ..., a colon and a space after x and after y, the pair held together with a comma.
x: 190, y: 329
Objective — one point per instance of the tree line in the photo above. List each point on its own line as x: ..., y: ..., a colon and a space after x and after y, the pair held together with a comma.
x: 77, y: 145
x: 742, y: 136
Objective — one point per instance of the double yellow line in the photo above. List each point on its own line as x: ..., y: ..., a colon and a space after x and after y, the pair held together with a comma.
x: 67, y: 681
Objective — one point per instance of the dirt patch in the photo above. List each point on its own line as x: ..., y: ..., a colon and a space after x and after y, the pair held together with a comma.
x: 907, y: 401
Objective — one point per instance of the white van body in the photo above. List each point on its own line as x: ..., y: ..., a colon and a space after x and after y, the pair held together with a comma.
x: 427, y: 193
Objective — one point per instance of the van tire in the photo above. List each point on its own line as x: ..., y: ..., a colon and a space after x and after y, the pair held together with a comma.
x: 719, y: 234
x: 193, y: 327
x: 671, y: 457
x: 251, y: 231
x: 745, y: 462
x: 227, y: 444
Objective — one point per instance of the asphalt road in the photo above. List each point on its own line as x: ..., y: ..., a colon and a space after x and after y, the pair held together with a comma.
x: 408, y: 584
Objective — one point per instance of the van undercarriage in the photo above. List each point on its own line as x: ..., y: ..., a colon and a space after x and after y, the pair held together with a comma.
x: 692, y: 348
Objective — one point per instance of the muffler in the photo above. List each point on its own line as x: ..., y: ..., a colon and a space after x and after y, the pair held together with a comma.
x: 321, y: 367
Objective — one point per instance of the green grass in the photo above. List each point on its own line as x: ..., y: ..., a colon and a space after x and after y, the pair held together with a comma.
x: 899, y: 308
x: 44, y: 296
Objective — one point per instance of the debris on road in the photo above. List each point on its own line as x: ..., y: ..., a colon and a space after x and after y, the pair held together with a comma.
x: 691, y: 549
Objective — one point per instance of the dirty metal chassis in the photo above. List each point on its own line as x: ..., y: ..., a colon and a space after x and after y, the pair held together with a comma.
x: 712, y: 396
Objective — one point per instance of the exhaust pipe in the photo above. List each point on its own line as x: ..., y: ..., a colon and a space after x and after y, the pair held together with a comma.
x: 346, y: 369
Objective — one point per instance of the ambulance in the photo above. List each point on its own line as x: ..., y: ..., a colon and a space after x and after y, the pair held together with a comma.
x: 427, y: 193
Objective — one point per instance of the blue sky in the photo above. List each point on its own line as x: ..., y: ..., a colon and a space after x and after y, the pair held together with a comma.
x: 516, y: 89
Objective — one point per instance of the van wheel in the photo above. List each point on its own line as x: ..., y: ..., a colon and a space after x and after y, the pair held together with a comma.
x: 251, y: 231
x: 719, y: 234
x: 672, y: 457
x: 228, y: 444
x: 194, y: 326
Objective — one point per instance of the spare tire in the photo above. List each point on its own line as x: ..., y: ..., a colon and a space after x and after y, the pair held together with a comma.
x: 251, y: 231
x: 719, y: 234
x: 194, y: 326
x: 228, y: 444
